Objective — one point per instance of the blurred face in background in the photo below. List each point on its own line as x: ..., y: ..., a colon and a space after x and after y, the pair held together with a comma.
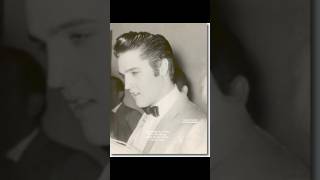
x: 74, y: 35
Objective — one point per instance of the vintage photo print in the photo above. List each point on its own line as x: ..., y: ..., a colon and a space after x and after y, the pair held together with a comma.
x: 159, y: 89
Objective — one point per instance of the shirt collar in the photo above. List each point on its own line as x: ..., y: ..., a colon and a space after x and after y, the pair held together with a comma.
x: 167, y: 101
x: 115, y: 109
x: 15, y: 153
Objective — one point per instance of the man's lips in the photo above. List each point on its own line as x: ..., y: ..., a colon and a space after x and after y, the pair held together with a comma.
x: 76, y: 101
x: 79, y: 103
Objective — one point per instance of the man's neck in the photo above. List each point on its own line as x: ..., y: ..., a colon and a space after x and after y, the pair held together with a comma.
x: 166, y: 90
x: 234, y: 130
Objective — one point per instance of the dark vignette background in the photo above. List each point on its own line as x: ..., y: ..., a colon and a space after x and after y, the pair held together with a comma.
x: 276, y: 38
x: 64, y: 128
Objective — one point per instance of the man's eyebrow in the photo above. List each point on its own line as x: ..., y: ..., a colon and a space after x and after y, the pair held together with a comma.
x: 122, y: 75
x: 70, y: 24
x: 131, y: 69
x: 34, y: 39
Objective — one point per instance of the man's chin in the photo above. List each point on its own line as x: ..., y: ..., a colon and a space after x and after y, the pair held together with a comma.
x: 141, y: 104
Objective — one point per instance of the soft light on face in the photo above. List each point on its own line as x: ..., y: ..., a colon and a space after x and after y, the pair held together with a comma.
x: 76, y: 46
x: 139, y: 77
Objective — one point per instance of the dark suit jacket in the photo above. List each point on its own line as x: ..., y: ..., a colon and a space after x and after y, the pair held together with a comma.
x: 45, y: 159
x: 123, y: 122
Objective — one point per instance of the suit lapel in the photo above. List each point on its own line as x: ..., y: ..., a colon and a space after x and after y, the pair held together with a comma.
x: 169, y: 121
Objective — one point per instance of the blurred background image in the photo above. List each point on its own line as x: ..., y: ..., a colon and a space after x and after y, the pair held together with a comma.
x: 273, y: 37
x: 54, y: 90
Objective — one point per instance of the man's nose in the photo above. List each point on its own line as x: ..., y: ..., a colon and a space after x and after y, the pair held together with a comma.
x: 57, y: 71
x: 54, y: 77
x: 127, y: 83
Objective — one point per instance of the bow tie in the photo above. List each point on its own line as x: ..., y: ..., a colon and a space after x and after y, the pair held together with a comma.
x: 151, y: 110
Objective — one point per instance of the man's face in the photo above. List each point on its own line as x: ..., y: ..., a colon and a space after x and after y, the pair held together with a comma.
x: 74, y: 33
x: 139, y: 78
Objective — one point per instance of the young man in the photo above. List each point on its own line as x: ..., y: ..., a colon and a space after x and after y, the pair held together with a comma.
x: 24, y: 143
x: 75, y: 44
x: 171, y: 124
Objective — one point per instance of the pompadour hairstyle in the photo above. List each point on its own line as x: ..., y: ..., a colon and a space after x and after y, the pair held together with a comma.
x: 154, y: 47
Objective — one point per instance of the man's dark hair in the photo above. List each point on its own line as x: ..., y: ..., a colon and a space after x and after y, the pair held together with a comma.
x: 24, y: 66
x: 230, y: 60
x: 154, y: 47
x: 181, y: 80
x: 21, y: 73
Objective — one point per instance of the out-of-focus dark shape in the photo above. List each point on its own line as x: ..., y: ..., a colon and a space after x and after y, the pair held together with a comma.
x: 277, y: 36
x: 240, y: 149
x: 26, y: 151
x: 123, y: 118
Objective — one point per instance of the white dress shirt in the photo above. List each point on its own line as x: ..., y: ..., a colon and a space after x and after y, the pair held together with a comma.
x: 145, y: 130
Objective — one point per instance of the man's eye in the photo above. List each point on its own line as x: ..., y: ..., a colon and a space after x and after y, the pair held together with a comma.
x: 41, y: 46
x: 122, y: 75
x: 78, y: 37
x: 38, y: 44
x: 134, y: 73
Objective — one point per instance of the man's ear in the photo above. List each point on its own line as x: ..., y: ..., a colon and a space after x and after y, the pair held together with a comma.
x: 164, y: 67
x: 239, y: 89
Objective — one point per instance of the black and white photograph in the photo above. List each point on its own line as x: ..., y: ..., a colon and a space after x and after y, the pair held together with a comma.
x: 159, y: 87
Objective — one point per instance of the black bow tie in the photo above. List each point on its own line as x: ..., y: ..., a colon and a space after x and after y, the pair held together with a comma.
x: 151, y: 110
